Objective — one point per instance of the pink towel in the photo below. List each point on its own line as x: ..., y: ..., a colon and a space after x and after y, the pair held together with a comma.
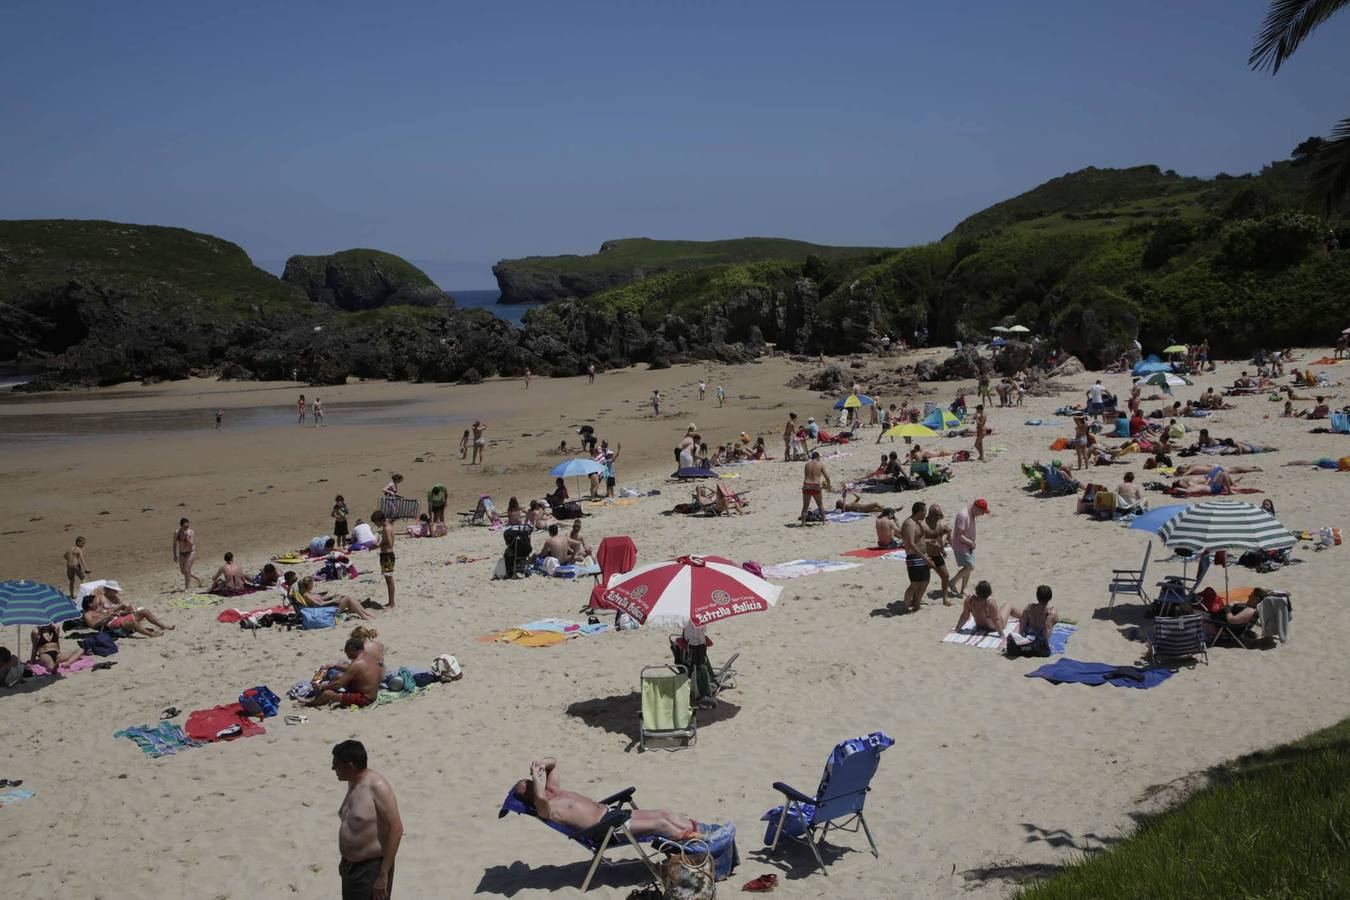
x: 79, y: 665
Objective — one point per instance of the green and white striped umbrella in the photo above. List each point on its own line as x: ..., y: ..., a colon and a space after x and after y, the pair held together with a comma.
x: 1225, y: 525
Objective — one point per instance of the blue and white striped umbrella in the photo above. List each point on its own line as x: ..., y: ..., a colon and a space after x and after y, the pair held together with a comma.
x: 576, y: 467
x: 1225, y: 525
x: 34, y: 603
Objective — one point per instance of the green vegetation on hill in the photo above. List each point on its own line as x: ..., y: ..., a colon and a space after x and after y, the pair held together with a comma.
x: 1272, y: 824
x: 361, y: 279
x: 646, y: 254
x: 147, y: 265
x: 688, y: 292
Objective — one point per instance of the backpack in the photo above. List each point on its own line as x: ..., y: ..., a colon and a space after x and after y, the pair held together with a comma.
x: 259, y: 701
x: 100, y: 644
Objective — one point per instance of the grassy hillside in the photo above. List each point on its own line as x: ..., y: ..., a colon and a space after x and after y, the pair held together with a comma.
x: 148, y: 264
x: 630, y: 254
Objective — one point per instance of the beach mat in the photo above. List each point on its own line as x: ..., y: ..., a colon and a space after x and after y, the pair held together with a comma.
x: 800, y: 568
x: 522, y: 637
x: 971, y: 636
x: 84, y: 662
x: 1059, y: 638
x: 1073, y: 671
x: 205, y: 725
x: 874, y: 553
x: 155, y: 741
x: 839, y: 518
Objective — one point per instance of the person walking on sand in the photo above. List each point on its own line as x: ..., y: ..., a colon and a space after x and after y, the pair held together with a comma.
x: 702, y: 388
x: 220, y: 415
x: 478, y: 429
x: 981, y: 424
x: 656, y: 404
x: 370, y: 828
x: 300, y: 407
x: 590, y: 374
x: 721, y: 396
x: 185, y: 552
x: 815, y: 480
x: 76, y: 567
x: 963, y: 542
x: 386, y: 551
x: 318, y: 413
x: 912, y: 538
x: 528, y: 375
x: 789, y: 436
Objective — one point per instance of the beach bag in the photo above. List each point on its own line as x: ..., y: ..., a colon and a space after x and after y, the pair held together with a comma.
x: 447, y: 667
x: 100, y: 644
x: 259, y: 701
x: 318, y: 617
x: 687, y: 874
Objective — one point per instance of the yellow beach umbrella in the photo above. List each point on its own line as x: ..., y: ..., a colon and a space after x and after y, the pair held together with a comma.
x: 1177, y: 348
x: 909, y: 430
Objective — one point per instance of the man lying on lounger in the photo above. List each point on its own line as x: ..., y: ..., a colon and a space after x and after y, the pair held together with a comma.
x: 542, y: 793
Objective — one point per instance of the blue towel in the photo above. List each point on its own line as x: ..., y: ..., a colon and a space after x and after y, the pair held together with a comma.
x: 13, y: 795
x: 1073, y: 671
x: 158, y: 740
x: 1059, y: 639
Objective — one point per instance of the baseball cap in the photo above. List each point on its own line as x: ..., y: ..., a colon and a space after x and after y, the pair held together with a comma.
x: 981, y: 505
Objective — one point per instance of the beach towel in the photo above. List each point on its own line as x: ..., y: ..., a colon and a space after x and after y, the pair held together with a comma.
x: 155, y: 741
x: 1073, y: 671
x: 1059, y: 638
x: 839, y: 517
x: 971, y: 636
x: 79, y: 665
x: 195, y: 601
x: 235, y: 616
x: 800, y: 568
x: 566, y: 626
x: 874, y: 552
x: 567, y: 570
x: 1206, y: 492
x: 13, y: 795
x: 205, y: 725
x: 524, y: 638
x: 246, y: 589
x: 384, y: 697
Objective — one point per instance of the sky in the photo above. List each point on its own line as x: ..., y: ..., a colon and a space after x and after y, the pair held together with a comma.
x: 457, y: 134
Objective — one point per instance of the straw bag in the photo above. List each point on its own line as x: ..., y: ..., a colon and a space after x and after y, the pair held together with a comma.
x: 689, y: 876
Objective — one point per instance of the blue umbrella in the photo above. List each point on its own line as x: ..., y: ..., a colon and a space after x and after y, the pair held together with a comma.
x: 857, y: 401
x: 1154, y: 519
x: 1151, y: 367
x: 33, y: 603
x: 578, y: 467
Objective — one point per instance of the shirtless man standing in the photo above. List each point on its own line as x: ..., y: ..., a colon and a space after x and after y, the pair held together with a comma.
x: 937, y: 534
x: 229, y: 578
x: 386, y: 551
x: 542, y: 793
x: 980, y: 424
x: 358, y: 685
x: 815, y: 480
x: 371, y: 829
x: 185, y: 552
x: 789, y: 435
x: 478, y: 428
x: 76, y: 568
x: 916, y: 563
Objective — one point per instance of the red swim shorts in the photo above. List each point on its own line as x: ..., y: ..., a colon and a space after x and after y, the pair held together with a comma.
x: 354, y: 699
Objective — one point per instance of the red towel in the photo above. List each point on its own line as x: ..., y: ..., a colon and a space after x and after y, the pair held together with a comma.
x: 869, y: 552
x: 615, y: 555
x: 205, y: 724
x: 234, y: 616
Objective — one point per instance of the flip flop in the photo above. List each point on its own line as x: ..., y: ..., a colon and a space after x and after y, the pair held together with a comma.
x: 761, y: 885
x: 106, y: 664
x: 296, y: 720
x: 170, y: 712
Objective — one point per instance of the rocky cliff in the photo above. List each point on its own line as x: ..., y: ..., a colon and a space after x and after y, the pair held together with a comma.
x: 359, y: 279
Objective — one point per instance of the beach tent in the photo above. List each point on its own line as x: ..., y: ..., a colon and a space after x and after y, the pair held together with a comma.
x: 942, y: 419
x: 1150, y: 366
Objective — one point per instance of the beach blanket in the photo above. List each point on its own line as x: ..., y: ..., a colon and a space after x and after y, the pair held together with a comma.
x: 383, y: 698
x: 79, y: 665
x: 567, y: 570
x: 1073, y: 671
x: 195, y: 601
x: 874, y: 553
x: 205, y: 725
x: 971, y: 636
x: 524, y: 638
x: 1206, y: 492
x: 155, y: 741
x: 246, y: 589
x: 13, y: 795
x: 235, y: 616
x: 839, y: 517
x: 800, y: 568
x: 566, y: 626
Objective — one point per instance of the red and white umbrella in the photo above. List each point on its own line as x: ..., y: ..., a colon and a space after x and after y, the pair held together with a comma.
x: 698, y: 589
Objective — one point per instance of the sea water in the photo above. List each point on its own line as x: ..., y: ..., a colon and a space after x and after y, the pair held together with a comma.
x: 511, y: 312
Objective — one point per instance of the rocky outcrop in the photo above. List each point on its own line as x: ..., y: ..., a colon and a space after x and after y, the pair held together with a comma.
x: 362, y: 279
x: 537, y: 284
x: 963, y: 365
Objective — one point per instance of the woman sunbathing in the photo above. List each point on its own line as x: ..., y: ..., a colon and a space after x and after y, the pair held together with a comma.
x: 857, y: 504
x: 302, y: 595
x: 47, y: 648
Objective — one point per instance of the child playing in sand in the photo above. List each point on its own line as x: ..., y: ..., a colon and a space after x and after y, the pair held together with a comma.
x: 464, y: 445
x: 340, y: 521
x: 76, y: 568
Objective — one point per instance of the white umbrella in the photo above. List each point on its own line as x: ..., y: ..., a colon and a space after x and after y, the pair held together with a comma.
x: 1020, y: 329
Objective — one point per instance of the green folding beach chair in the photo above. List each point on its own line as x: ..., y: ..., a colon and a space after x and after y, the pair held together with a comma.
x: 667, y: 706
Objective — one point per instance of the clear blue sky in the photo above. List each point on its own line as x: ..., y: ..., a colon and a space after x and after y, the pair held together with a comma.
x: 466, y: 132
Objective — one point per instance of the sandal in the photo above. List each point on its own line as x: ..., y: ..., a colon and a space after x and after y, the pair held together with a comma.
x: 761, y: 885
x: 106, y: 664
x: 170, y: 712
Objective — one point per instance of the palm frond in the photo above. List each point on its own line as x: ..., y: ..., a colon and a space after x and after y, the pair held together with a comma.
x: 1287, y: 24
x: 1329, y: 179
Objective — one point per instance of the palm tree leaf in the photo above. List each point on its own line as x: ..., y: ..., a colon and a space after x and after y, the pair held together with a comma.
x: 1287, y: 24
x: 1329, y: 178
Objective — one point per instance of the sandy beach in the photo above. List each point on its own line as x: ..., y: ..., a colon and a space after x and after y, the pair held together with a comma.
x: 993, y: 777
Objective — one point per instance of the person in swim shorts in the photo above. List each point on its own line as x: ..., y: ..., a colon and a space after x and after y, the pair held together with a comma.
x: 358, y: 685
x: 916, y: 563
x: 814, y: 477
x: 386, y: 551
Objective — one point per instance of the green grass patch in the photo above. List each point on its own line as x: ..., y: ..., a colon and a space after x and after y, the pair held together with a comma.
x: 1272, y: 824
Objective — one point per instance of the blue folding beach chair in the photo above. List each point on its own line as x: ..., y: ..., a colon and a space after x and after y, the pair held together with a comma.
x: 1340, y: 423
x: 1057, y: 482
x: 838, y: 802
x: 610, y: 831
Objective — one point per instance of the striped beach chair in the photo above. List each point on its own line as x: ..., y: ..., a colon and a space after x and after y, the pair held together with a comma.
x: 1178, y: 637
